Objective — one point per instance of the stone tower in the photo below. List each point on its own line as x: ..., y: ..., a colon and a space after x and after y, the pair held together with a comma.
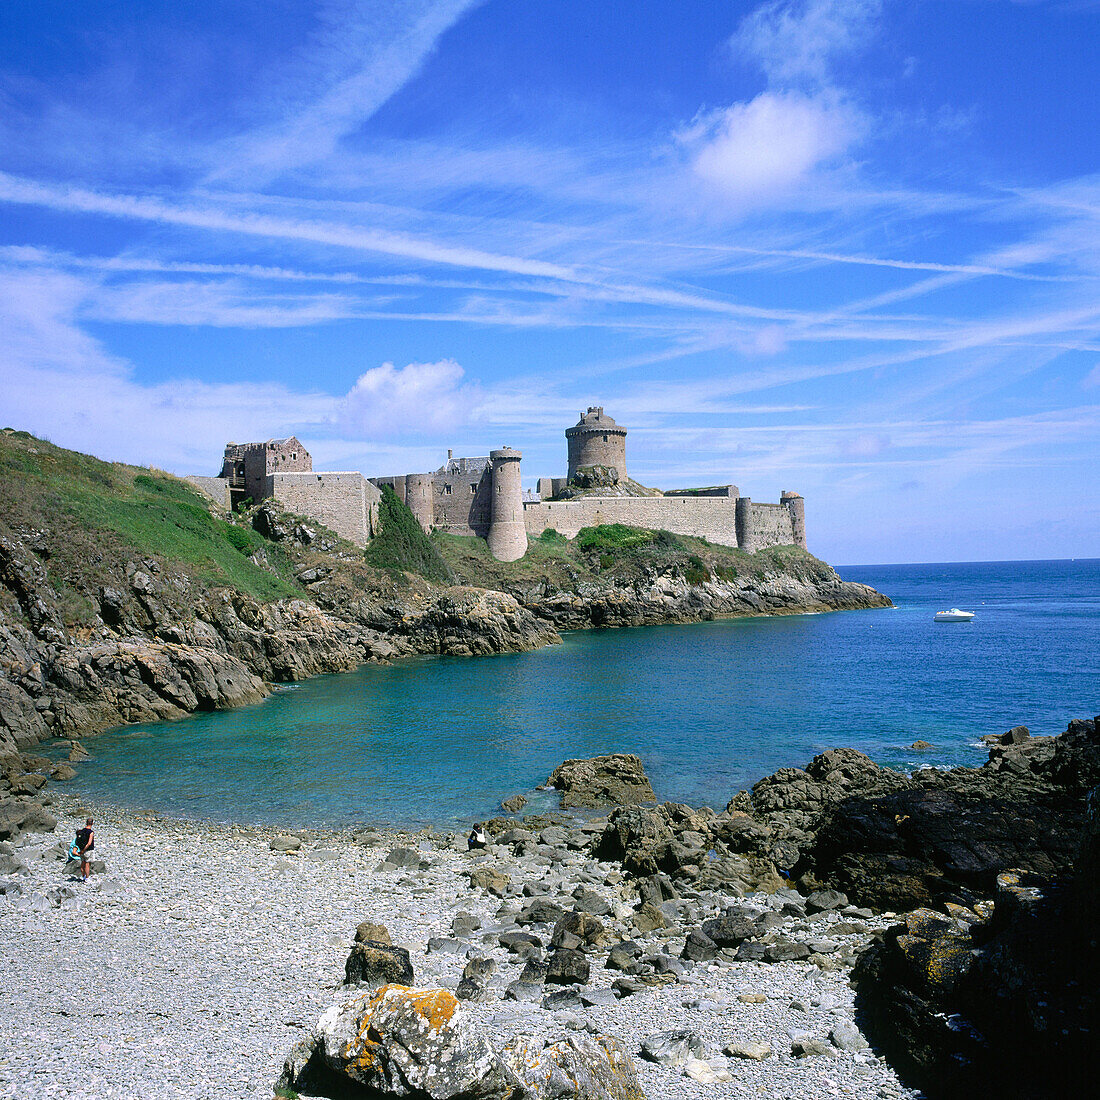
x: 507, y: 533
x: 796, y: 506
x: 596, y: 440
x: 418, y: 496
x: 743, y: 519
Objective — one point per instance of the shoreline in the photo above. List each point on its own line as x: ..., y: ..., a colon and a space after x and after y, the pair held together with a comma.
x: 204, y: 956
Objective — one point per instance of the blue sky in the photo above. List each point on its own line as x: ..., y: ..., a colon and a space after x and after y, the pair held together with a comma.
x: 849, y: 247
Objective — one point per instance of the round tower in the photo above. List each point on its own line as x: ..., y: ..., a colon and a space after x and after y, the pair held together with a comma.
x: 596, y: 440
x: 419, y: 498
x: 746, y: 534
x: 507, y: 532
x: 796, y: 506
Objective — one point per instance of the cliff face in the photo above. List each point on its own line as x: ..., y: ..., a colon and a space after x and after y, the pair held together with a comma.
x: 163, y: 649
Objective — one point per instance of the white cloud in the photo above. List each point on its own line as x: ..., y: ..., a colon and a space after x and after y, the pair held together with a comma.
x: 368, y: 50
x: 799, y: 42
x: 418, y: 399
x: 753, y: 151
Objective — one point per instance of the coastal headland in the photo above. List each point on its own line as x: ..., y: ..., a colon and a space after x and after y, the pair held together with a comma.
x: 127, y: 596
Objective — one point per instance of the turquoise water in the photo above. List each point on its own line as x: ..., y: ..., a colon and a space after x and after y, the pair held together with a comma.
x: 710, y: 707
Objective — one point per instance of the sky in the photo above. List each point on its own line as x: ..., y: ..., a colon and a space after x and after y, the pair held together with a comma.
x: 845, y: 247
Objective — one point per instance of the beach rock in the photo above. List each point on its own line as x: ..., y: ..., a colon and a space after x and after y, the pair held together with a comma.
x: 567, y: 967
x: 808, y: 1047
x: 377, y: 964
x: 699, y: 947
x: 474, y: 984
x: 846, y: 1036
x: 921, y: 746
x: 402, y: 1042
x: 576, y: 1068
x: 648, y: 918
x: 706, y: 1073
x: 673, y: 1048
x: 490, y: 879
x: 732, y: 928
x: 369, y: 932
x: 584, y: 926
x: 403, y: 857
x: 755, y: 1052
x: 638, y: 837
x: 821, y: 901
x: 540, y: 911
x: 514, y: 804
x: 285, y: 844
x: 616, y: 779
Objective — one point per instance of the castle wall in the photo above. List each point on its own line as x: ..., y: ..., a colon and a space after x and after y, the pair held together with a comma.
x: 709, y: 491
x: 345, y: 502
x: 707, y: 517
x: 215, y: 487
x: 771, y: 524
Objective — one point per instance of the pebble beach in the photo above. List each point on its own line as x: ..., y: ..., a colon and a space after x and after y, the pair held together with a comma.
x: 201, y: 956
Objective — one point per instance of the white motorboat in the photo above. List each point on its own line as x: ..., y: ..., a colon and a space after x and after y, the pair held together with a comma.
x: 954, y: 616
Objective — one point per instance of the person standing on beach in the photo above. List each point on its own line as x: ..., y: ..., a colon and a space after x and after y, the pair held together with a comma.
x: 85, y: 842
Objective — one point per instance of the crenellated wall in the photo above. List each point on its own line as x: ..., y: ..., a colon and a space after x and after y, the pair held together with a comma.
x: 346, y: 502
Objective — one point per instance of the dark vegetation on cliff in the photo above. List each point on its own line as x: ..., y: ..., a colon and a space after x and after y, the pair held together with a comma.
x: 401, y: 543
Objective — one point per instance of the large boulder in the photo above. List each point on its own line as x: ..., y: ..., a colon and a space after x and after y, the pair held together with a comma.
x: 377, y: 964
x: 420, y: 1044
x: 639, y: 837
x: 617, y: 779
x: 577, y: 1068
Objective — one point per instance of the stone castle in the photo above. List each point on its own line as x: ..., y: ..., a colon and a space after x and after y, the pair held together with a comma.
x: 483, y: 497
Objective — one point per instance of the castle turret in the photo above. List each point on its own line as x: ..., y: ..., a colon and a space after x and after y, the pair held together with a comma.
x: 596, y: 440
x: 419, y: 498
x: 507, y: 533
x: 746, y: 535
x: 796, y: 506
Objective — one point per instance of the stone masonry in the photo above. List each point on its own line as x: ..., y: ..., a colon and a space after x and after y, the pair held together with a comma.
x: 482, y: 497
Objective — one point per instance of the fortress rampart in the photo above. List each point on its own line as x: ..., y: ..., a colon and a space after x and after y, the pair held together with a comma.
x: 345, y: 501
x: 482, y: 497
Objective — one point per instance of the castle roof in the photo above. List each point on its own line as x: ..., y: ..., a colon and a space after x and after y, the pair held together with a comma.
x: 595, y: 420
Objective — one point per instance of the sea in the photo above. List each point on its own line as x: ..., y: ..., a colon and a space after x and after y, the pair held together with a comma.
x: 709, y: 707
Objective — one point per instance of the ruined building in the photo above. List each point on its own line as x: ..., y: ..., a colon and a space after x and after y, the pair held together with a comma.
x: 344, y: 501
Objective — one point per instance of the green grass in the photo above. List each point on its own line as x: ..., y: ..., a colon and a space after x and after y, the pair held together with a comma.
x: 143, y: 512
x: 401, y: 544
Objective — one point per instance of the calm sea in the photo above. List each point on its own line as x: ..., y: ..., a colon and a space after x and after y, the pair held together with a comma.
x: 710, y: 708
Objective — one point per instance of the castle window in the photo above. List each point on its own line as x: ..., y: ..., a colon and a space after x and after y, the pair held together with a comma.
x: 473, y: 487
x: 447, y: 490
x: 605, y: 438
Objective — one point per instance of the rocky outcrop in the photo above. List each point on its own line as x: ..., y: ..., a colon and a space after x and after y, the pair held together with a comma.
x: 896, y: 841
x: 881, y: 838
x: 163, y: 647
x: 654, y: 598
x: 617, y: 779
x: 419, y: 1043
x: 998, y: 999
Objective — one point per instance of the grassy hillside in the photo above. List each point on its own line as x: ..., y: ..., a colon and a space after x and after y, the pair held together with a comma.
x: 97, y: 514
